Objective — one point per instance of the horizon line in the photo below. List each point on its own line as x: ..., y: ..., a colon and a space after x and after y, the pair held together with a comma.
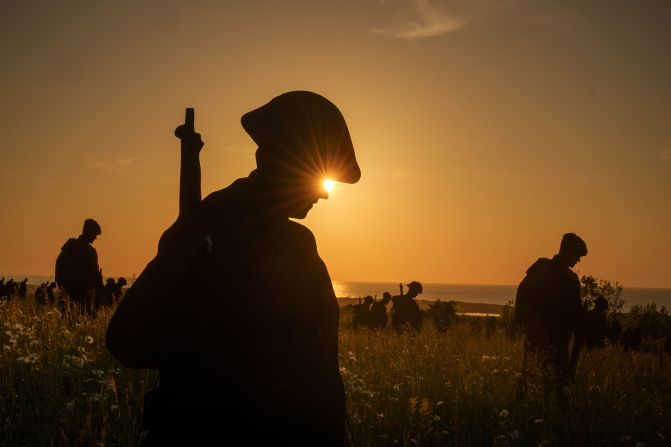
x: 12, y: 275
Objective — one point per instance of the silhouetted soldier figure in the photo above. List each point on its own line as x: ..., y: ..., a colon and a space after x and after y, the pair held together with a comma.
x: 106, y: 296
x: 548, y: 308
x: 4, y: 290
x: 118, y: 289
x: 41, y: 293
x: 362, y: 313
x: 405, y: 312
x: 51, y: 297
x: 23, y: 288
x: 378, y: 312
x: 596, y: 324
x: 77, y: 270
x: 246, y: 334
x: 9, y: 290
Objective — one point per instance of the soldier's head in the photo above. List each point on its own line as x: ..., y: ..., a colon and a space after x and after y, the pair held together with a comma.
x: 572, y: 248
x: 368, y: 300
x: 386, y: 297
x: 415, y: 288
x: 302, y: 140
x: 91, y: 230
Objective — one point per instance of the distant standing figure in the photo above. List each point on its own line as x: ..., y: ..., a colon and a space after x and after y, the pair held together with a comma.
x: 8, y: 290
x: 41, y: 293
x: 23, y: 288
x: 595, y: 328
x: 362, y: 313
x: 548, y: 308
x: 378, y: 312
x: 51, y: 297
x: 118, y: 290
x: 77, y: 270
x: 405, y: 311
x: 106, y: 297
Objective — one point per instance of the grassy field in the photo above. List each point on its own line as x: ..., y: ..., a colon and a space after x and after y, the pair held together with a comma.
x: 59, y: 386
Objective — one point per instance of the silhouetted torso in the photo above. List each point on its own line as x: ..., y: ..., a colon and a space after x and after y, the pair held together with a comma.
x: 550, y: 307
x: 77, y: 269
x: 554, y: 298
x: 248, y: 338
x: 378, y: 314
x: 405, y: 313
x: 595, y: 328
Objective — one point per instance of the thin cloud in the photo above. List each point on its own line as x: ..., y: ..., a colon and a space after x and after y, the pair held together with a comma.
x: 666, y: 154
x: 115, y: 166
x: 426, y: 20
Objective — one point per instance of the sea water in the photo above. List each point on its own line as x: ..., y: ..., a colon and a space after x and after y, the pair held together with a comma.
x: 469, y: 293
x: 484, y: 293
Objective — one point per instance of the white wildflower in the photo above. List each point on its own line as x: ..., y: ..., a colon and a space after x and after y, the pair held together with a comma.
x: 88, y: 340
x: 504, y: 413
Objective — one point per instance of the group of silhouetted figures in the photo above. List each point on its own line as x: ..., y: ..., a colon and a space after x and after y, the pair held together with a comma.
x: 405, y: 312
x: 237, y: 310
x: 10, y: 289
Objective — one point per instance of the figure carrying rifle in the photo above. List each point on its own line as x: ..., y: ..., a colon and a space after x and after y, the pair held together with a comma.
x: 245, y: 332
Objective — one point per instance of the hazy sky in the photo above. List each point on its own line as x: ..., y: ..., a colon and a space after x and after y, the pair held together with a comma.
x: 484, y: 129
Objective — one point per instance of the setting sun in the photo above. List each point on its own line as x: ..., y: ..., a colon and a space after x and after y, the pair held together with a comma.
x: 329, y: 185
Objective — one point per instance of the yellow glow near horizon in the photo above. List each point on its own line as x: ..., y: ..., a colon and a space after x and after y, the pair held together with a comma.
x: 329, y: 185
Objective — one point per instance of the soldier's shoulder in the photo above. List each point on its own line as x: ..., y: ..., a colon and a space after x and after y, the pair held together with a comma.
x: 300, y: 232
x: 229, y: 194
x: 540, y: 266
x: 70, y: 244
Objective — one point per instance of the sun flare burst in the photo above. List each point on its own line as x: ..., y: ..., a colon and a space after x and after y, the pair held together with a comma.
x: 329, y: 185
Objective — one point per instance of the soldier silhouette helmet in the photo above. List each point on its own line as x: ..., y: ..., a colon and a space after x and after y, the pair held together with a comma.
x: 415, y: 286
x: 572, y: 243
x: 301, y: 134
x: 91, y: 228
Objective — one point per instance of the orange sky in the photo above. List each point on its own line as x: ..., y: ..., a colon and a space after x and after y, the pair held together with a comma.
x: 484, y: 130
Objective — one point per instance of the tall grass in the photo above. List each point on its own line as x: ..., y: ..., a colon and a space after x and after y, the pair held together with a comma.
x: 59, y: 386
